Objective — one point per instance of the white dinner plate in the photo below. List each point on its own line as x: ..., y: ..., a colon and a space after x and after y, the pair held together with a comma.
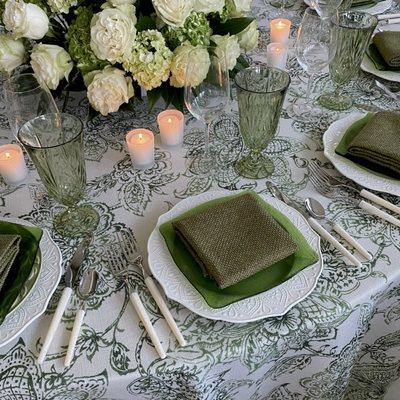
x: 274, y: 302
x: 35, y: 302
x: 377, y: 9
x: 350, y: 169
x: 368, y: 66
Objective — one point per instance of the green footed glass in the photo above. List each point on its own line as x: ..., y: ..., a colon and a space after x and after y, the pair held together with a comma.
x: 354, y: 30
x: 261, y: 91
x: 54, y: 142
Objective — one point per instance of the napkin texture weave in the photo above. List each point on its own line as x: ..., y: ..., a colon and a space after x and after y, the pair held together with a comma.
x: 234, y: 240
x: 388, y: 45
x: 9, y: 248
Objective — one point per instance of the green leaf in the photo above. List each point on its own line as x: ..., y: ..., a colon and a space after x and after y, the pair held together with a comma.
x: 153, y: 96
x: 232, y: 26
x: 145, y: 23
x: 177, y: 98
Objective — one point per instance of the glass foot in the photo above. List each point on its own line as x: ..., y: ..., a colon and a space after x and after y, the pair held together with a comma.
x: 255, y: 167
x: 282, y: 3
x: 299, y: 108
x: 333, y: 101
x: 77, y: 221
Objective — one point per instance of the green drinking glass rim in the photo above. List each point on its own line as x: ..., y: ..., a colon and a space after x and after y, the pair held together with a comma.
x: 56, y: 145
x: 374, y: 20
x: 283, y: 87
x: 9, y: 80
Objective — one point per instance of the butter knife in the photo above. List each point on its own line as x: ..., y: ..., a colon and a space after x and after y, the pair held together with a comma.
x: 70, y: 276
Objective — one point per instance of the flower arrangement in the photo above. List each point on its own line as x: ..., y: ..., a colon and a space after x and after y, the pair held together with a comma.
x: 114, y: 49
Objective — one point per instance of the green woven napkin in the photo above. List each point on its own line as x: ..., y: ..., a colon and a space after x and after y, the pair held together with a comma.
x: 374, y: 143
x: 22, y: 265
x: 363, y: 3
x: 9, y: 248
x: 255, y: 284
x: 388, y: 46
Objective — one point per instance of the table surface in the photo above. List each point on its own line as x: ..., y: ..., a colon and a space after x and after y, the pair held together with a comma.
x: 348, y: 324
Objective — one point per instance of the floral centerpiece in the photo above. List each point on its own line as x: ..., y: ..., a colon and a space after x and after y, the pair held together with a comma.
x: 114, y: 49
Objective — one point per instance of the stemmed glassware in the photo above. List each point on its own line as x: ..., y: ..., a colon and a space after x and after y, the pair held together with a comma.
x: 208, y: 99
x: 326, y: 8
x: 26, y: 99
x: 315, y: 48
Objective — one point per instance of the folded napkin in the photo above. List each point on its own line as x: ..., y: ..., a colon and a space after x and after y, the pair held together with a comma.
x: 9, y: 248
x: 22, y: 265
x: 234, y: 240
x: 374, y: 143
x: 363, y: 3
x: 260, y: 282
x: 388, y: 45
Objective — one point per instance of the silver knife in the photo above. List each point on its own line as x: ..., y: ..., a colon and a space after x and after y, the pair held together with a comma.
x: 70, y: 276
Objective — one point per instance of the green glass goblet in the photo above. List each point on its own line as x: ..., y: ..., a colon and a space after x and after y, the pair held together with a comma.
x: 261, y: 91
x: 54, y: 142
x: 354, y: 30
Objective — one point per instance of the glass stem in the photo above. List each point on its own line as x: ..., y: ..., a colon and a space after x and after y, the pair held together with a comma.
x: 338, y: 90
x: 207, y: 141
x: 309, y: 86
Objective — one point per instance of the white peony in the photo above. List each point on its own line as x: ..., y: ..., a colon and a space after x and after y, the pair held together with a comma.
x: 242, y: 6
x: 108, y: 89
x: 113, y: 32
x: 12, y: 53
x: 208, y: 6
x: 180, y: 61
x: 173, y: 12
x: 25, y: 20
x: 61, y: 6
x: 248, y: 38
x: 115, y: 3
x: 229, y: 46
x: 50, y: 63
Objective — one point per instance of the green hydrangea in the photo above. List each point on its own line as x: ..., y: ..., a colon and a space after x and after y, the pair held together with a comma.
x: 228, y: 11
x: 196, y: 30
x: 79, y: 42
x: 150, y: 60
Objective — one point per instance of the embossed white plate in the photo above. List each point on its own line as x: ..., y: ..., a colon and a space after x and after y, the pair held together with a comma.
x: 350, y: 169
x: 274, y: 302
x: 35, y: 302
x: 368, y: 66
x: 376, y: 9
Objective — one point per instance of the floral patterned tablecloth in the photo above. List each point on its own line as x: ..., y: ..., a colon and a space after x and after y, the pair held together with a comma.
x: 342, y: 342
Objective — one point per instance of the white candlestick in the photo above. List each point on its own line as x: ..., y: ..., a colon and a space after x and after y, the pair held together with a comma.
x: 280, y: 30
x: 277, y: 54
x: 12, y: 164
x: 171, y: 124
x: 141, y: 147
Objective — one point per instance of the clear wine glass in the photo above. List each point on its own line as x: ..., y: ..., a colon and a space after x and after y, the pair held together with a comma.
x: 326, y: 8
x: 315, y: 48
x: 208, y: 99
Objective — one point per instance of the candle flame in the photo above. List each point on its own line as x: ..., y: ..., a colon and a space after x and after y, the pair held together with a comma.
x: 169, y: 120
x: 140, y: 136
x: 7, y: 155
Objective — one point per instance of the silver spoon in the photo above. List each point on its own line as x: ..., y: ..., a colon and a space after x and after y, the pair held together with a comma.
x: 316, y: 209
x: 394, y: 94
x: 87, y: 287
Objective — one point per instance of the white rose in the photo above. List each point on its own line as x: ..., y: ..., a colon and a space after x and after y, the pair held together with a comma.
x: 116, y: 3
x: 248, y: 38
x: 12, y: 53
x: 180, y: 61
x: 25, y: 20
x: 229, y: 46
x: 113, y: 32
x: 173, y: 12
x: 61, y: 6
x: 242, y: 6
x: 108, y: 89
x: 50, y: 63
x: 208, y: 6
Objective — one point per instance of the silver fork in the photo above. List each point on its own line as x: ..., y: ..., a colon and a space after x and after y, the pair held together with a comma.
x: 327, y: 186
x: 120, y: 269
x: 333, y: 184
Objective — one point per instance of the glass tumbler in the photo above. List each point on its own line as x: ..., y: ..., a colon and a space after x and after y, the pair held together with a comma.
x: 54, y: 142
x: 261, y: 91
x: 354, y: 30
x: 26, y: 99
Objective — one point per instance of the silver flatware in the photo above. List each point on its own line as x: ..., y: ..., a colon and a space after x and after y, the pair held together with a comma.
x: 119, y: 261
x: 392, y: 93
x: 70, y: 275
x: 86, y: 288
x: 316, y: 209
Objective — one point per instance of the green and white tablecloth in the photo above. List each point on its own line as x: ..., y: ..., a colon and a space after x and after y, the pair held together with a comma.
x: 342, y: 342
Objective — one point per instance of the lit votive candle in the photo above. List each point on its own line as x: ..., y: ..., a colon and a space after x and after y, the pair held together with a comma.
x: 277, y: 54
x: 171, y: 124
x: 12, y: 164
x: 280, y: 29
x: 141, y: 147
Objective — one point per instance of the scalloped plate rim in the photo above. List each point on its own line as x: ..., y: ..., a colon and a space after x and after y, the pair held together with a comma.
x: 376, y: 9
x: 222, y: 314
